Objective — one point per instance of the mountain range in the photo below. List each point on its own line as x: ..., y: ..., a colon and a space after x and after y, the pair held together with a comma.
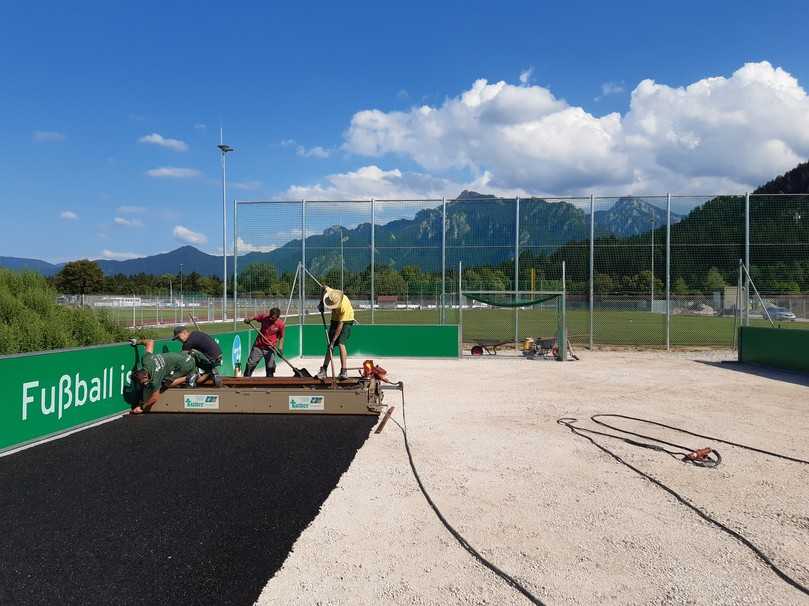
x: 479, y: 228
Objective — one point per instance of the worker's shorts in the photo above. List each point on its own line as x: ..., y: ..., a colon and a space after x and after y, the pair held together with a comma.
x: 344, y: 334
x: 204, y: 363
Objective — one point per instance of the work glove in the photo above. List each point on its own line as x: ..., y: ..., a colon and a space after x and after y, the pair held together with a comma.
x: 247, y: 320
x: 133, y: 342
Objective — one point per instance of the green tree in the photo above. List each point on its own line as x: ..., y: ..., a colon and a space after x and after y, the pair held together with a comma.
x: 603, y: 283
x: 80, y: 278
x: 714, y: 280
x: 680, y: 287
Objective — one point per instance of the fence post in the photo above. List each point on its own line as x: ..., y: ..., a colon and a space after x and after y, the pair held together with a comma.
x: 668, y: 272
x: 302, y: 270
x: 460, y: 304
x: 747, y: 258
x: 592, y: 260
x: 235, y: 257
x: 517, y: 271
x: 443, y: 257
x: 373, y: 253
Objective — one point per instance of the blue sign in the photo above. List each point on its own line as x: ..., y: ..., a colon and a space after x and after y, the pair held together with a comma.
x: 236, y: 351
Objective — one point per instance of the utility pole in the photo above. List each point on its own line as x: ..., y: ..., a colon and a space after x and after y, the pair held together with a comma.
x: 224, y: 150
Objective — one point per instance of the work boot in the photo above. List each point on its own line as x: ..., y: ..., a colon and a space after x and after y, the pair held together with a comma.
x: 191, y: 380
x: 343, y: 374
x: 217, y: 378
x: 321, y: 374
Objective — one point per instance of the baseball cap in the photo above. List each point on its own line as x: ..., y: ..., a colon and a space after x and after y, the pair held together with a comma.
x: 177, y: 330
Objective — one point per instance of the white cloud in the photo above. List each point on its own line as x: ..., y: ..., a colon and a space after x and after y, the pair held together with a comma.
x: 157, y: 139
x: 719, y: 133
x: 128, y: 222
x: 186, y: 235
x: 131, y: 210
x: 68, y: 215
x: 610, y: 88
x: 373, y: 182
x: 173, y: 172
x: 525, y: 75
x: 312, y: 152
x: 200, y: 126
x: 47, y: 136
x: 119, y: 256
x: 245, y: 247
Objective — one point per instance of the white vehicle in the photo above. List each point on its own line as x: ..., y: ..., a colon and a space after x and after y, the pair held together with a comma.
x: 779, y: 314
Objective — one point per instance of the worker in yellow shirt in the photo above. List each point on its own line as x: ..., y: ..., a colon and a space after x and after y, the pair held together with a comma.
x: 342, y: 319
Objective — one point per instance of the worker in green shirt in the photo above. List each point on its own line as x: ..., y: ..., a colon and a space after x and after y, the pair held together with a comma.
x: 161, y: 371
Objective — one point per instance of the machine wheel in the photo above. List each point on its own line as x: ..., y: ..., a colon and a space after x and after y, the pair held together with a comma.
x: 477, y: 350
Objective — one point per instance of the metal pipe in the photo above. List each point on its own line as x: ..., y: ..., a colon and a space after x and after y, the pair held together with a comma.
x: 373, y: 254
x: 235, y: 257
x: 668, y: 272
x: 443, y: 256
x: 562, y: 338
x: 747, y: 258
x: 517, y: 271
x: 592, y: 257
x: 460, y: 308
x: 302, y: 283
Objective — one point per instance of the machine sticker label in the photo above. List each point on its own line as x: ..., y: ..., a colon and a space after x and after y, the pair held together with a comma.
x: 202, y: 402
x: 307, y: 402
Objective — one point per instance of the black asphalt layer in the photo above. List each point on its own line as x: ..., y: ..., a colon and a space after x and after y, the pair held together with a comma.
x: 166, y: 509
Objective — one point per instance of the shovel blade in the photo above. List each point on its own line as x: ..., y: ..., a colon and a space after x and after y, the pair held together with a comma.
x: 302, y: 372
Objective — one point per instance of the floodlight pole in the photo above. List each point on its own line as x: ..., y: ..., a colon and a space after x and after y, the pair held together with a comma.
x: 224, y: 150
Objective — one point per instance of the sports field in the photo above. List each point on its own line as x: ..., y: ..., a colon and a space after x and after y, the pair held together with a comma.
x: 619, y: 328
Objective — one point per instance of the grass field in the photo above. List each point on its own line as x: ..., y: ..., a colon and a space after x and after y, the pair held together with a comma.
x: 621, y: 328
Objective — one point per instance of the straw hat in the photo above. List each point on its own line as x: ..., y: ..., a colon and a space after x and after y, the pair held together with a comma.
x: 332, y: 297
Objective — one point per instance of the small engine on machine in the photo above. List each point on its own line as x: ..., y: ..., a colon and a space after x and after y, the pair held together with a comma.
x: 545, y: 348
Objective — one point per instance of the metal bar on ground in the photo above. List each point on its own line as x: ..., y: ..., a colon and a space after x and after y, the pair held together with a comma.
x: 384, y: 420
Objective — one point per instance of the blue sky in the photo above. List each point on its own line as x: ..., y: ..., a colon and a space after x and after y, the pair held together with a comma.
x: 85, y: 90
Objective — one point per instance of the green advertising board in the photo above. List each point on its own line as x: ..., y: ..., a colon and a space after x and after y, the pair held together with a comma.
x: 395, y: 340
x: 777, y: 347
x: 48, y: 393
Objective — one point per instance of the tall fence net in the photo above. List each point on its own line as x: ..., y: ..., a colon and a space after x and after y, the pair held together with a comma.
x: 651, y: 271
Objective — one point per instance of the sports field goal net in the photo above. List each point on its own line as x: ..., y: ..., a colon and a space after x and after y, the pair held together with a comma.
x: 525, y: 323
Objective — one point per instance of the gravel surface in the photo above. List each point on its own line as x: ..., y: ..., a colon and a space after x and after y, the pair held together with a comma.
x: 565, y: 519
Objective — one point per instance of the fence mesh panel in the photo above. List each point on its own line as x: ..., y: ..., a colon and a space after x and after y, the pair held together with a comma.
x: 707, y: 242
x: 338, y: 253
x: 629, y: 255
x: 413, y: 241
x: 269, y: 250
x: 779, y: 255
x: 408, y: 244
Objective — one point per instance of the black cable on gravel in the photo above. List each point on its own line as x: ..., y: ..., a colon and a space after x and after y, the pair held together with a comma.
x: 502, y: 574
x: 166, y: 509
x: 582, y: 432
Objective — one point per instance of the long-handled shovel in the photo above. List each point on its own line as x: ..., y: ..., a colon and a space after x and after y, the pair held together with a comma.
x: 328, y: 345
x: 298, y: 372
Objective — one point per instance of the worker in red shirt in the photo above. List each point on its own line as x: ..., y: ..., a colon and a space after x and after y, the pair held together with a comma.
x: 269, y: 339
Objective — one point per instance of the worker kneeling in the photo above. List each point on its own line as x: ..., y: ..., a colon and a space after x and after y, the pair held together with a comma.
x: 161, y: 371
x: 342, y: 319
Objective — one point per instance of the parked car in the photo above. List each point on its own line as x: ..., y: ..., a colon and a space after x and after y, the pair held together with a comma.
x: 779, y: 314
